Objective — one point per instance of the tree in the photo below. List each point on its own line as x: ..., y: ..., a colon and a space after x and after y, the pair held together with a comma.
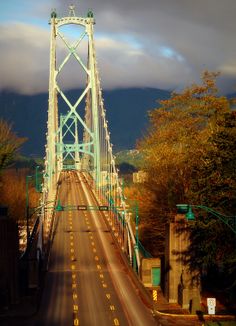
x: 180, y: 132
x: 212, y: 242
x: 9, y: 144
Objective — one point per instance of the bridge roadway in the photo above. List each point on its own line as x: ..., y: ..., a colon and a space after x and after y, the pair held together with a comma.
x: 87, y: 283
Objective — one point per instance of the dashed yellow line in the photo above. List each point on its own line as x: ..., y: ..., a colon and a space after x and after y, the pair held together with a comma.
x: 75, y: 296
x: 76, y: 322
x: 75, y: 308
x: 112, y: 307
x: 116, y: 322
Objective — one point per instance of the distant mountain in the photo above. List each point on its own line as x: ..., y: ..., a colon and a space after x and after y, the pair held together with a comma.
x: 126, y: 114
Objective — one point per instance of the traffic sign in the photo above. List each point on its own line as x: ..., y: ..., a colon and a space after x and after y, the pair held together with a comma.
x: 82, y: 208
x: 211, y: 304
x: 154, y: 295
x: 103, y: 208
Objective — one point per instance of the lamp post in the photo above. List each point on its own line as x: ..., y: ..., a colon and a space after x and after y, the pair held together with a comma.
x: 136, y: 224
x: 186, y: 209
x: 27, y: 208
x: 37, y: 181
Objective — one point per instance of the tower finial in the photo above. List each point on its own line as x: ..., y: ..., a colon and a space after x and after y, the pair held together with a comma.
x: 71, y: 10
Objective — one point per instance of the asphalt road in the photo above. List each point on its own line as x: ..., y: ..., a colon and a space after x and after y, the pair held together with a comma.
x: 87, y: 282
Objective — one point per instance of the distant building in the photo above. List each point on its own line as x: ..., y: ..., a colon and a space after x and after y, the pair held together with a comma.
x: 140, y: 177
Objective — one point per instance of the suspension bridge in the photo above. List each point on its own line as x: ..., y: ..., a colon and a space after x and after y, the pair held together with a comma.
x: 86, y: 231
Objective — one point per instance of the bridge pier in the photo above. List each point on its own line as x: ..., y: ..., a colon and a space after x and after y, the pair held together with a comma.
x: 181, y: 285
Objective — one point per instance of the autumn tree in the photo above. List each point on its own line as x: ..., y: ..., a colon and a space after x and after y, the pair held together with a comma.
x: 178, y: 136
x: 9, y: 144
x: 12, y: 184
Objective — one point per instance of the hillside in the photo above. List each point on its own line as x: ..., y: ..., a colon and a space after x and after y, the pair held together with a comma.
x: 126, y: 114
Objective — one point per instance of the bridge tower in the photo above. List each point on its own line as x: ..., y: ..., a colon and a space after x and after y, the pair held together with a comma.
x: 77, y: 129
x: 76, y: 153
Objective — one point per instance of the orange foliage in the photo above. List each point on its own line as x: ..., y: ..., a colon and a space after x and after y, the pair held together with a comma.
x: 13, y: 192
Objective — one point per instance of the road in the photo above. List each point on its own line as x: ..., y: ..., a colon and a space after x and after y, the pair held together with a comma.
x: 87, y: 282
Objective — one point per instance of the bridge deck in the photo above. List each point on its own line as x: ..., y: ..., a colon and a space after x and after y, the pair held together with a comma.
x: 87, y: 283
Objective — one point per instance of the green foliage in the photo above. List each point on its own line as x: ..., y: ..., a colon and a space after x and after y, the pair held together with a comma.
x: 132, y: 157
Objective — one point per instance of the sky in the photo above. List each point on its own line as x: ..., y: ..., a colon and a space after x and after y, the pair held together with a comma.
x: 163, y: 44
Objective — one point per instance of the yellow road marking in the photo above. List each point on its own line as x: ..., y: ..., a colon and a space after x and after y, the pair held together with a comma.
x: 73, y: 267
x: 72, y: 250
x: 75, y: 307
x: 76, y: 322
x: 72, y: 244
x: 116, y: 322
x: 72, y: 258
x: 104, y: 285
x: 70, y: 227
x: 108, y: 296
x: 92, y: 243
x: 101, y: 275
x: 75, y: 296
x: 94, y: 250
x: 99, y: 267
x: 71, y: 237
x: 73, y: 275
x: 96, y: 258
x: 112, y: 307
x: 74, y: 286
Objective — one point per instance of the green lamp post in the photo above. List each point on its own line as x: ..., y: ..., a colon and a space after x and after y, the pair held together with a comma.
x: 186, y: 209
x: 27, y: 208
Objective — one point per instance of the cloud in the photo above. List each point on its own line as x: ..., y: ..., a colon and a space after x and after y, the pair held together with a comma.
x: 154, y: 43
x: 24, y: 58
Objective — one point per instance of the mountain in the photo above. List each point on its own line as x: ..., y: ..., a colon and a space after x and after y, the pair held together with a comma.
x: 126, y: 111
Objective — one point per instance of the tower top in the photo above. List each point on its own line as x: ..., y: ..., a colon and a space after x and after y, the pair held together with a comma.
x: 72, y: 10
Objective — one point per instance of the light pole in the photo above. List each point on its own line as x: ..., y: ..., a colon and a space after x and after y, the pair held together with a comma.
x: 27, y: 207
x: 37, y: 182
x: 186, y: 209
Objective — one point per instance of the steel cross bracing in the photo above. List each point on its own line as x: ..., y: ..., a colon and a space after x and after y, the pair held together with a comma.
x: 93, y: 154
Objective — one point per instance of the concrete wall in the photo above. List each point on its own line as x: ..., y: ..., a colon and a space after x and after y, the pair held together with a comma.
x: 179, y: 285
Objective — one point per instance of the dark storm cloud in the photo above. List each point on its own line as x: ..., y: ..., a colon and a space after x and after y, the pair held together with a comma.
x: 152, y: 43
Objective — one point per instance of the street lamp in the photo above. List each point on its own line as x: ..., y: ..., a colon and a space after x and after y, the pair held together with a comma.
x: 37, y: 180
x: 27, y: 207
x: 186, y: 209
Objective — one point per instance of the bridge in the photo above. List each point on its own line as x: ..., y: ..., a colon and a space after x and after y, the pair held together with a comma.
x: 85, y: 233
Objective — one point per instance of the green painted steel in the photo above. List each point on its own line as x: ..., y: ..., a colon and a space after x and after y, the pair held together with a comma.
x: 156, y: 276
x: 58, y: 149
x: 81, y: 142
